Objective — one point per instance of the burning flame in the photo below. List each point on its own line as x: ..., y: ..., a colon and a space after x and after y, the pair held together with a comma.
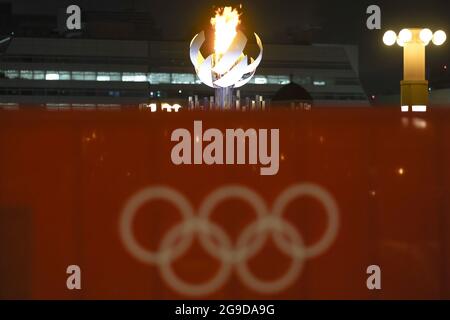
x: 225, y: 23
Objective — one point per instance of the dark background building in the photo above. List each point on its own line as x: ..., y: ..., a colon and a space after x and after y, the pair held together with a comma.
x: 321, y: 45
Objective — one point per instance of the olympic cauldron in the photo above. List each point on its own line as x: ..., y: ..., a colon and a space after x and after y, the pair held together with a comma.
x: 227, y: 67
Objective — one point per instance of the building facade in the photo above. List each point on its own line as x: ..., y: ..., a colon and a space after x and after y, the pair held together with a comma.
x: 95, y: 72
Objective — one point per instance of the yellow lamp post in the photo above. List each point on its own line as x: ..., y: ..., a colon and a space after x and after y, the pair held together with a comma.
x: 414, y: 87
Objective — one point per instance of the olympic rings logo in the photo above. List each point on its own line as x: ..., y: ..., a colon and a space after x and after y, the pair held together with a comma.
x: 218, y: 244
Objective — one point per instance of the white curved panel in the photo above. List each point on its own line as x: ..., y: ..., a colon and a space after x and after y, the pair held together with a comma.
x: 232, y: 66
x: 252, y: 67
x: 232, y: 76
x: 241, y: 82
x: 204, y: 72
x: 195, y: 54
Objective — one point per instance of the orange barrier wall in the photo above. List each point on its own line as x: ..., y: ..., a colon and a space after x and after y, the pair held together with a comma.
x: 65, y: 178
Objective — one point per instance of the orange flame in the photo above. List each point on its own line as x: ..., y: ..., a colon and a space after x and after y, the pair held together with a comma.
x: 225, y: 23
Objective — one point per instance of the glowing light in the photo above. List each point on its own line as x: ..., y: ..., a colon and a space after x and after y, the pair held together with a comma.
x: 140, y: 78
x: 169, y: 108
x: 426, y: 35
x: 404, y: 36
x: 439, y: 37
x: 400, y: 42
x: 225, y: 28
x: 260, y: 80
x: 103, y: 78
x: 401, y: 171
x: 389, y: 38
x: 52, y: 76
x: 405, y: 108
x: 420, y: 123
x: 419, y: 108
x: 228, y: 65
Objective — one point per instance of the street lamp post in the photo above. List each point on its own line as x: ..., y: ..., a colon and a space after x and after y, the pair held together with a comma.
x: 414, y: 86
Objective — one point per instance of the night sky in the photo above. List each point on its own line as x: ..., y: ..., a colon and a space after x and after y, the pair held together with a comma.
x: 342, y: 22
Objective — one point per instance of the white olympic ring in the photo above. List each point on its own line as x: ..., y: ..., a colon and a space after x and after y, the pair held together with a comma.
x: 216, y: 242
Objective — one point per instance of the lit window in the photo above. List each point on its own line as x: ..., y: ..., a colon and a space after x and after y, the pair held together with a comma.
x: 158, y: 78
x: 183, y: 78
x: 115, y: 76
x: 38, y: 75
x: 319, y: 83
x: 64, y: 75
x: 90, y: 76
x: 274, y: 79
x: 127, y: 77
x: 12, y: 74
x: 140, y: 77
x: 260, y: 80
x: 77, y: 75
x: 134, y: 77
x: 103, y: 76
x: 52, y: 75
x: 26, y: 74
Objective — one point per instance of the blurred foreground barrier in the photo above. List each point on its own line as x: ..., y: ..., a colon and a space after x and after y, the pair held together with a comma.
x: 355, y: 187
